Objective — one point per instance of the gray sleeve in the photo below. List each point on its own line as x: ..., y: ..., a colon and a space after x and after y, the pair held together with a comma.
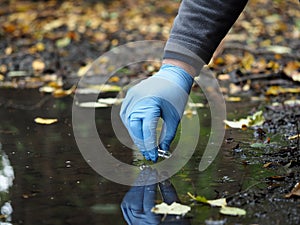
x: 198, y: 29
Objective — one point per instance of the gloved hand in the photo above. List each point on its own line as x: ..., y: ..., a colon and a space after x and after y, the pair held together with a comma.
x: 164, y: 95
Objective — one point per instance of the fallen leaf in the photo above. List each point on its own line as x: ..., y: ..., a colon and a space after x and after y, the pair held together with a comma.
x: 217, y: 202
x: 59, y: 93
x: 63, y: 42
x: 46, y: 89
x: 110, y: 101
x: 232, y: 211
x: 266, y: 165
x: 276, y: 90
x: 247, y: 61
x: 292, y: 70
x: 189, y: 113
x: 45, y: 121
x: 83, y: 70
x: 256, y: 119
x: 197, y: 198
x: 195, y: 105
x: 279, y: 49
x: 294, y: 137
x: 173, y: 209
x: 114, y: 79
x: 96, y: 89
x: 292, y: 102
x: 295, y: 191
x: 233, y: 99
x: 92, y: 105
x: 38, y: 65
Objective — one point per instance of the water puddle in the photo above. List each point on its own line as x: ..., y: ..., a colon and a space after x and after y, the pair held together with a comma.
x: 54, y: 185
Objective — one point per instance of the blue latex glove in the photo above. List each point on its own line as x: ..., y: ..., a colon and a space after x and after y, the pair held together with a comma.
x: 164, y: 95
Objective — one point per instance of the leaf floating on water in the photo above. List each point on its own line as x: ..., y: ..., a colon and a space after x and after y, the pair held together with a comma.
x: 92, y: 105
x: 46, y: 89
x: 294, y: 192
x: 59, y: 93
x: 217, y: 202
x: 197, y: 198
x: 232, y: 211
x: 96, y: 89
x: 256, y: 119
x: 45, y: 121
x: 173, y: 209
x: 110, y: 101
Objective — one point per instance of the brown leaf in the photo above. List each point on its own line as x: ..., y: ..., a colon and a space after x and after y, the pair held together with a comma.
x: 295, y: 191
x: 292, y: 70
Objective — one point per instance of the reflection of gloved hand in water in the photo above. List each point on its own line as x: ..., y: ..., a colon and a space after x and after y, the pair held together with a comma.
x: 139, y: 200
x: 162, y: 95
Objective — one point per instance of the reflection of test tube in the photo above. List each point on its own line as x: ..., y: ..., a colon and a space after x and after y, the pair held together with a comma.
x: 164, y: 154
x: 6, y: 177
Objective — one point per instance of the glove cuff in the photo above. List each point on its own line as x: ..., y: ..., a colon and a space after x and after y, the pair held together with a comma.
x: 176, y: 75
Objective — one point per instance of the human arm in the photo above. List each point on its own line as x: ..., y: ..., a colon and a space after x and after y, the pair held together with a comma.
x: 198, y: 29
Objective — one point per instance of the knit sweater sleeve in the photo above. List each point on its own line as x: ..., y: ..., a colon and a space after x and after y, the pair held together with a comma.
x: 198, y: 29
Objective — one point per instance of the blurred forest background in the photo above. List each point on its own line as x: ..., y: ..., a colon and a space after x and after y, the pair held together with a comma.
x: 61, y: 38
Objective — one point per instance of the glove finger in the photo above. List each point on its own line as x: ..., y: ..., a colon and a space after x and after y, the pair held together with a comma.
x: 136, y: 133
x: 168, y: 133
x: 150, y: 137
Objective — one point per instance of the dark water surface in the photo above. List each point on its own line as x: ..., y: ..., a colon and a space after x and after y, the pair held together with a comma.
x: 54, y: 185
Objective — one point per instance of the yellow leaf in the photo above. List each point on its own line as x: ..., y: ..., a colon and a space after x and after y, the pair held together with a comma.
x: 292, y: 70
x: 59, y: 93
x: 45, y: 121
x: 233, y: 99
x: 276, y: 90
x: 255, y: 120
x: 247, y: 61
x: 38, y: 65
x: 114, y: 79
x: 232, y: 211
x: 83, y: 70
x: 217, y: 202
